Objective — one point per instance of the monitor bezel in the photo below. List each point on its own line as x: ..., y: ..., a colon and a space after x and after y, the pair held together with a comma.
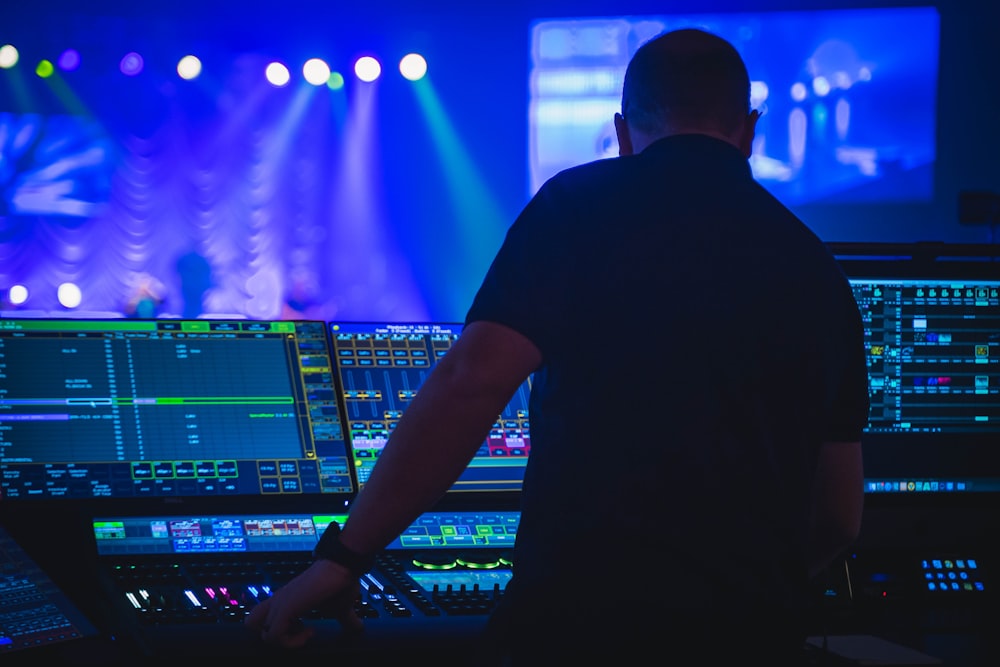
x: 209, y: 504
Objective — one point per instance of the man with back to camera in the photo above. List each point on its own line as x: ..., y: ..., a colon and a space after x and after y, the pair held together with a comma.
x: 699, y: 395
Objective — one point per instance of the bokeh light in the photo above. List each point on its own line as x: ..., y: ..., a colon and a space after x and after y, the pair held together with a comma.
x: 17, y: 294
x: 8, y: 56
x: 821, y: 86
x: 277, y: 74
x: 367, y: 68
x: 69, y: 295
x: 336, y: 81
x: 413, y: 66
x: 189, y: 67
x: 316, y: 71
x: 759, y: 92
x: 45, y: 69
x: 131, y: 64
x: 69, y: 60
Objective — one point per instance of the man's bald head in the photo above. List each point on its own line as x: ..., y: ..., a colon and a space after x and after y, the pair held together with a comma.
x: 686, y: 81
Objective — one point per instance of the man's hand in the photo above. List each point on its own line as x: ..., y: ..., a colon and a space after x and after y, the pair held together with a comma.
x: 279, y: 618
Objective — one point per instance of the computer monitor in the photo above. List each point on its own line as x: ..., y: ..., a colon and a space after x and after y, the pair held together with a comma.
x: 168, y: 410
x: 380, y: 368
x: 932, y: 333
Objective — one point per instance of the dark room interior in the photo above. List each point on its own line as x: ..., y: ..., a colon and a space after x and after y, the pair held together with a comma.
x: 219, y: 193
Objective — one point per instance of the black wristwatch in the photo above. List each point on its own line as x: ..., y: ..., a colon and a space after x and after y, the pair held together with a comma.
x: 329, y: 548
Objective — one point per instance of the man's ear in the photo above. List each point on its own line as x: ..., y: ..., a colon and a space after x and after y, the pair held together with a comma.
x: 749, y: 130
x: 624, y: 138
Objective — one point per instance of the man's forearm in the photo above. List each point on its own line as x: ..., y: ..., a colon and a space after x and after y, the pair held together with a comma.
x: 432, y: 444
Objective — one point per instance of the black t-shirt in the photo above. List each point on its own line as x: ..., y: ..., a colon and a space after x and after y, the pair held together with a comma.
x: 699, y: 342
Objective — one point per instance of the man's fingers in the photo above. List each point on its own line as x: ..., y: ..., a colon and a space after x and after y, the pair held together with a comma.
x: 257, y: 617
x: 351, y: 622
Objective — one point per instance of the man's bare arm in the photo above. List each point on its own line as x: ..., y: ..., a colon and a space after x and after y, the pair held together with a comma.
x: 440, y: 431
x: 838, y: 501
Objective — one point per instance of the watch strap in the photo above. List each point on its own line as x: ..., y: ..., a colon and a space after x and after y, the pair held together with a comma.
x: 329, y: 547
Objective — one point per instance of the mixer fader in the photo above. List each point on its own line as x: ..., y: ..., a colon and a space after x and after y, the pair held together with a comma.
x: 34, y: 612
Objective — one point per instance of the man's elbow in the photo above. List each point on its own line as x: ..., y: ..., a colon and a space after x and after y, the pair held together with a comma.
x: 843, y: 524
x: 848, y: 532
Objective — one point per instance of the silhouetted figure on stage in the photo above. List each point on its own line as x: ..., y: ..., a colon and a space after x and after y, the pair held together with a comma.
x: 196, y: 278
x: 689, y: 542
x: 145, y: 297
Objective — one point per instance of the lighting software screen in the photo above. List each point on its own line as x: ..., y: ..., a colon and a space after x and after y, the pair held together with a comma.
x: 933, y: 347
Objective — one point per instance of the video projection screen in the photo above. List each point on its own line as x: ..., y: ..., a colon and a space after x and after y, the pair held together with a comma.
x: 849, y: 97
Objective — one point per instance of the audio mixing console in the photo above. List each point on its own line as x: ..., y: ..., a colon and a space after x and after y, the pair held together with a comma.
x: 185, y: 584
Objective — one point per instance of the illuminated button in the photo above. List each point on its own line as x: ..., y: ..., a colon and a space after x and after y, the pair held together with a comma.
x: 479, y: 560
x: 434, y: 561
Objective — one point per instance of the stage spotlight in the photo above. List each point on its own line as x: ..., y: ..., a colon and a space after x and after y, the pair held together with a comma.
x: 131, y: 64
x: 69, y: 60
x: 316, y: 71
x: 189, y: 67
x: 413, y: 66
x: 8, y: 56
x: 44, y: 69
x: 336, y: 81
x: 367, y: 68
x: 69, y: 295
x: 17, y: 294
x: 277, y: 74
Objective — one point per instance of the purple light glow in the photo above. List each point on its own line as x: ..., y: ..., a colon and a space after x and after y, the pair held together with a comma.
x: 69, y: 60
x: 131, y: 64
